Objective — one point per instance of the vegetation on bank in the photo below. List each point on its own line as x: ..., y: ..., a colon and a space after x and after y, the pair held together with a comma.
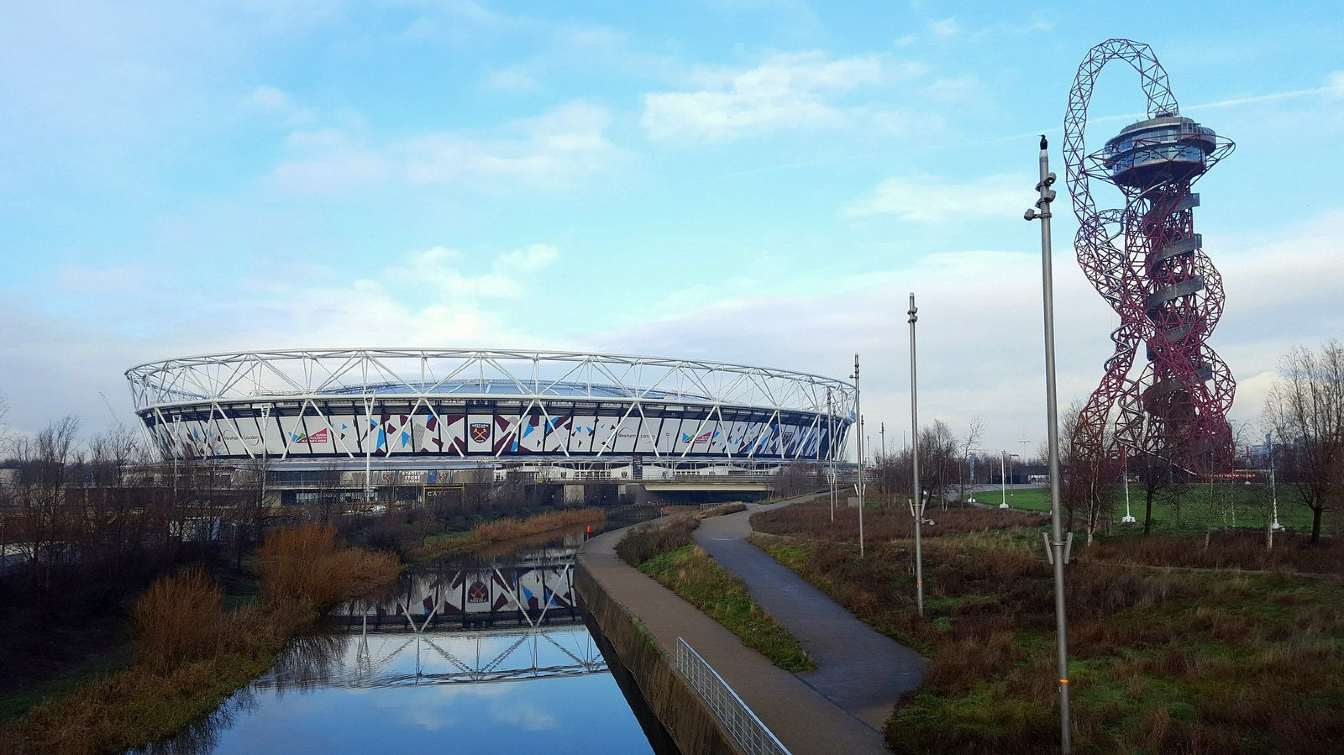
x: 192, y: 652
x: 443, y: 545
x: 1162, y: 660
x: 1182, y: 509
x: 668, y: 555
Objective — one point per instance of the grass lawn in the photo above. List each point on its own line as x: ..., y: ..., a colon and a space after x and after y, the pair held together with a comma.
x: 1197, y: 513
x: 667, y: 554
x: 1161, y: 660
x: 691, y: 573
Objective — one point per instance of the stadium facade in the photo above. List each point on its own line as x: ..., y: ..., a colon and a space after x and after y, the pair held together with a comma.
x: 431, y: 412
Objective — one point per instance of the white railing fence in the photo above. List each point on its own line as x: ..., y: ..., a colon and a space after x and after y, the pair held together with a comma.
x: 749, y: 733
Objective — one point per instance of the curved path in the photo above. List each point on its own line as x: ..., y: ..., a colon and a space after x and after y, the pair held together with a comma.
x: 798, y: 713
x: 859, y: 669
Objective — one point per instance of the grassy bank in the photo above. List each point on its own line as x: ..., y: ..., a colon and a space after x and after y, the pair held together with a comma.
x: 1185, y: 509
x: 1161, y: 660
x: 191, y: 652
x: 668, y: 555
x: 484, y: 534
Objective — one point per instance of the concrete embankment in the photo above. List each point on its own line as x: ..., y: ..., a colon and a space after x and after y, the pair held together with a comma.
x: 641, y: 621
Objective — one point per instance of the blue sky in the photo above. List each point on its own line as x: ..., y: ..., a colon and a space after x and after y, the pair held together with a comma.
x: 744, y: 180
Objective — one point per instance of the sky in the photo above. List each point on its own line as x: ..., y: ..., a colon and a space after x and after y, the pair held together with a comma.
x: 743, y: 180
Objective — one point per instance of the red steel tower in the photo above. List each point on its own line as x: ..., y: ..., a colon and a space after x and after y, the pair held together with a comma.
x: 1148, y: 263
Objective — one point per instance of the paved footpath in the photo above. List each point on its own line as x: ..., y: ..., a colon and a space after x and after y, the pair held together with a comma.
x: 801, y: 716
x: 859, y: 669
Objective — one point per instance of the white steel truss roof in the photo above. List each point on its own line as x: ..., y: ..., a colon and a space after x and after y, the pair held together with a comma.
x: 416, y: 375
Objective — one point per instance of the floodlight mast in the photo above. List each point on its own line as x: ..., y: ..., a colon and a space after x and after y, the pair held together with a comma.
x: 917, y: 503
x: 1057, y: 550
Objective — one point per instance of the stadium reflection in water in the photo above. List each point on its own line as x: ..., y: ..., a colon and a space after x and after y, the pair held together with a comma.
x: 412, y: 679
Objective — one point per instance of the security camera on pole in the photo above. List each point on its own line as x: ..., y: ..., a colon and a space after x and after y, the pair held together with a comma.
x: 1057, y: 552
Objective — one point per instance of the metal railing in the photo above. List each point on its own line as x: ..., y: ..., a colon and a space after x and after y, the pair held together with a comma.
x: 750, y: 735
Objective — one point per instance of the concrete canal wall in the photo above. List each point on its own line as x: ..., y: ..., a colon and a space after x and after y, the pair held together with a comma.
x: 638, y: 659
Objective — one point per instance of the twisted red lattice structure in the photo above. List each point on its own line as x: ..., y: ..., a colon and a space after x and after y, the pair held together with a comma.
x: 1146, y: 261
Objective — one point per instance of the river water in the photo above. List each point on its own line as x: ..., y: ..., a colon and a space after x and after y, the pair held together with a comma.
x: 447, y: 661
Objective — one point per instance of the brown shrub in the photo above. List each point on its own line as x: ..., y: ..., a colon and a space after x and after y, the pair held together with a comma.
x: 643, y: 543
x: 178, y: 618
x: 305, y: 564
x: 813, y: 520
x: 510, y: 528
x: 1226, y: 550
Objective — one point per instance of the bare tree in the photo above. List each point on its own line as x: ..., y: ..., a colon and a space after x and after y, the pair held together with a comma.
x: 40, y: 490
x: 1306, y: 409
x: 1088, y: 476
x: 968, y: 445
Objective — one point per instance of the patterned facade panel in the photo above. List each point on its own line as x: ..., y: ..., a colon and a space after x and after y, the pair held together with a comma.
x: 705, y: 433
x: 648, y: 435
x: 581, y: 434
x: 506, y: 434
x: 532, y: 433
x: 453, y: 433
x: 557, y: 433
x: 345, y: 427
x: 604, y: 433
x: 317, y: 436
x: 342, y: 429
x: 627, y: 433
x: 667, y: 434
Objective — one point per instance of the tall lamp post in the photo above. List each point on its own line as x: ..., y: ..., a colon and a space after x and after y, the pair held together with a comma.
x: 859, y: 412
x: 830, y: 447
x: 1057, y: 553
x: 1003, y: 477
x: 917, y: 504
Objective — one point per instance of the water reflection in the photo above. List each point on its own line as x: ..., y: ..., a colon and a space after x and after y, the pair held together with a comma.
x: 484, y: 654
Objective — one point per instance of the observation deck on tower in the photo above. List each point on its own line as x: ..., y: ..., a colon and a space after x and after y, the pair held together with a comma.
x: 1158, y: 149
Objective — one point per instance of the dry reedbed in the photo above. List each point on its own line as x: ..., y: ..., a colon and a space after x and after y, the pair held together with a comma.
x: 192, y: 652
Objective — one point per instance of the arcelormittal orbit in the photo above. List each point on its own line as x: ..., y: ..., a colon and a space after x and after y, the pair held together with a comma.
x: 1147, y: 262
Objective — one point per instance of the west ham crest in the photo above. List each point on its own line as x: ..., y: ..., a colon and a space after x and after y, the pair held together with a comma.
x: 480, y: 432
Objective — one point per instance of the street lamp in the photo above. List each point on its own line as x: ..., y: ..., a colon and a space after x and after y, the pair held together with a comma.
x: 917, y: 505
x: 859, y: 413
x: 1128, y: 518
x: 1003, y: 474
x: 1057, y: 552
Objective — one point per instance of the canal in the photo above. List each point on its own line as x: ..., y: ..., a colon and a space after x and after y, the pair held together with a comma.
x: 486, y: 653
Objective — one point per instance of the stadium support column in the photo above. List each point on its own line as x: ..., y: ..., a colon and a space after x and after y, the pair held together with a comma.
x: 1057, y: 550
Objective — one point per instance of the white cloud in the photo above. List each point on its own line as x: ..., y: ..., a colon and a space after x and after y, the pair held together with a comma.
x: 529, y: 259
x: 1334, y: 83
x: 930, y: 199
x: 277, y: 104
x: 979, y: 327
x: 945, y: 28
x: 796, y: 90
x: 513, y: 79
x: 554, y: 150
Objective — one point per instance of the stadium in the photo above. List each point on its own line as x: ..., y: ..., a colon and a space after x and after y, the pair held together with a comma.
x: 431, y: 416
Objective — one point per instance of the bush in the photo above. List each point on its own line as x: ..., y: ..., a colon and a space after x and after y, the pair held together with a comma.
x: 179, y: 618
x: 643, y: 543
x: 304, y: 564
x: 510, y: 528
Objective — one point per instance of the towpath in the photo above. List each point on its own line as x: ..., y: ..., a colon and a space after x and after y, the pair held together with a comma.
x: 803, y: 718
x: 859, y: 669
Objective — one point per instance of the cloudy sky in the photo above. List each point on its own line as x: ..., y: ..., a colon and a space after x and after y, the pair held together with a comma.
x: 743, y: 180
